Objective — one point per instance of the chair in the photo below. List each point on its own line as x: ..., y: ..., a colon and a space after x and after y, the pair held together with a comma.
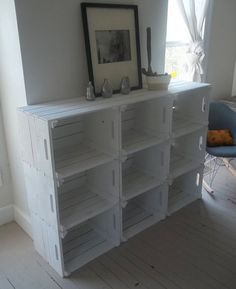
x: 220, y: 117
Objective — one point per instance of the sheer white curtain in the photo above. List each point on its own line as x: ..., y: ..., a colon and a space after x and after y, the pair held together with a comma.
x: 194, y: 13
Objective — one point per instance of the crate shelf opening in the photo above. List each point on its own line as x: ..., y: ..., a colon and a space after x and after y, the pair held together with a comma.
x: 76, y: 159
x: 144, y: 211
x: 144, y: 170
x: 187, y: 153
x: 185, y: 189
x: 182, y: 126
x: 89, y: 194
x: 145, y: 124
x: 80, y: 206
x: 180, y: 164
x: 192, y: 106
x: 90, y: 240
x: 84, y: 142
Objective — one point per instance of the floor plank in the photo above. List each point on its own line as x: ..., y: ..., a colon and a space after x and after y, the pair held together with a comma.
x: 6, y: 284
x: 193, y: 249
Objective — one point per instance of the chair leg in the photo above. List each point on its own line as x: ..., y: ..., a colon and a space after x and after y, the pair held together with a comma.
x: 207, y: 187
x: 213, y: 164
x: 229, y: 166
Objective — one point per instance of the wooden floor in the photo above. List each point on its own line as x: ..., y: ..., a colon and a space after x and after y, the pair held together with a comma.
x: 193, y: 249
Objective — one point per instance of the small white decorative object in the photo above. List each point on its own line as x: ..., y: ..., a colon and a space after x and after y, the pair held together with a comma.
x: 107, y: 90
x: 90, y: 92
x: 125, y: 85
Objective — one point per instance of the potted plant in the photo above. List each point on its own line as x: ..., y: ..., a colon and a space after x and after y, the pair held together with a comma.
x: 155, y: 81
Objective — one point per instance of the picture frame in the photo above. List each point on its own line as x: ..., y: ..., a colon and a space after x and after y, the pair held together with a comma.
x: 112, y: 42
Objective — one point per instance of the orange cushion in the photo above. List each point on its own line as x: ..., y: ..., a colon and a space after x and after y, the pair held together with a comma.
x: 221, y: 137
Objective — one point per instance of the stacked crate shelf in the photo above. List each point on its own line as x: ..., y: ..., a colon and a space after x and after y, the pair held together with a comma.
x: 189, y: 127
x: 84, y: 149
x: 145, y: 148
x: 77, y: 173
x: 97, y: 173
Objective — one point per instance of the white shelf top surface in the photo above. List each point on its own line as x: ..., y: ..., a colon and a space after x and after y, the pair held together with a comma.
x: 57, y: 110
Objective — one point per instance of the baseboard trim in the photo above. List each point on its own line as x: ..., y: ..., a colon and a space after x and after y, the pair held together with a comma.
x: 23, y: 220
x: 6, y: 215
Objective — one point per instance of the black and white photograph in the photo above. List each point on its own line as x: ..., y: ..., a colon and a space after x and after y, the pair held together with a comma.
x: 113, y: 46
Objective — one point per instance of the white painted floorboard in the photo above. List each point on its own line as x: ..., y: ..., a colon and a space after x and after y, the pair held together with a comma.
x: 193, y: 249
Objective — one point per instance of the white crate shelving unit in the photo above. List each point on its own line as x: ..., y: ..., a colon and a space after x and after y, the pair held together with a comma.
x: 97, y: 173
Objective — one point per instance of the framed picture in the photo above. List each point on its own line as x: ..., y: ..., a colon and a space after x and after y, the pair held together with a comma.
x: 112, y: 44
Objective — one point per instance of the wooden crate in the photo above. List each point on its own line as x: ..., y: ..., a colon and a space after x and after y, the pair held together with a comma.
x: 143, y: 211
x: 185, y: 189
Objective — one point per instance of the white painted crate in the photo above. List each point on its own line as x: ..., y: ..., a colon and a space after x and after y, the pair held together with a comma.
x: 145, y: 170
x: 185, y: 189
x: 145, y: 124
x: 190, y: 110
x: 82, y: 244
x: 77, y: 199
x: 84, y: 142
x: 143, y: 211
x: 187, y: 152
x: 91, y: 239
x: 88, y: 194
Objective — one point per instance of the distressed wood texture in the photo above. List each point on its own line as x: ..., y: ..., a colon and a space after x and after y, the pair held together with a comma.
x: 194, y: 248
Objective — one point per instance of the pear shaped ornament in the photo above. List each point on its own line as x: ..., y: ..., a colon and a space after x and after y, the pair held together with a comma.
x: 90, y: 92
x: 125, y: 85
x: 106, y: 89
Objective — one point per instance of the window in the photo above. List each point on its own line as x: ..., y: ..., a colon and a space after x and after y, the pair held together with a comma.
x: 178, y: 39
x: 176, y: 43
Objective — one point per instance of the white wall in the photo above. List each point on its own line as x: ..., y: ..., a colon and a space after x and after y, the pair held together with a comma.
x: 6, y: 192
x: 234, y: 82
x: 222, y: 48
x: 12, y: 96
x: 52, y: 45
x: 6, y: 195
